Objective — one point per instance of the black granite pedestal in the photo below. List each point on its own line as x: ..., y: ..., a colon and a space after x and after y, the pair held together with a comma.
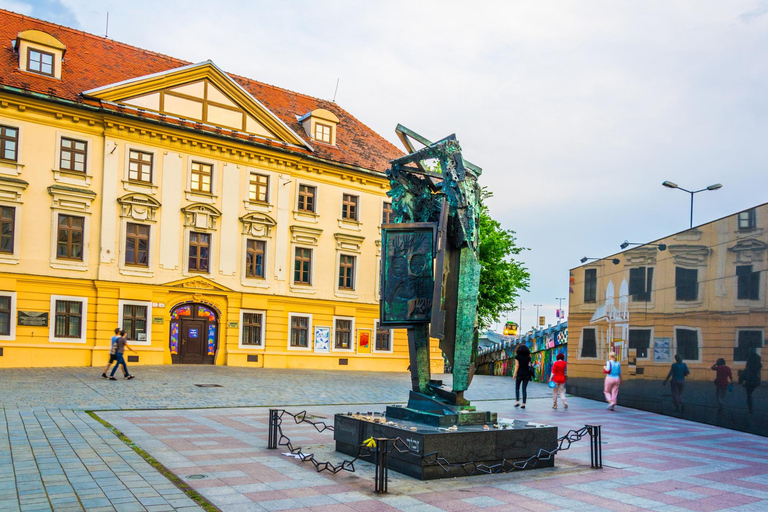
x: 468, y: 443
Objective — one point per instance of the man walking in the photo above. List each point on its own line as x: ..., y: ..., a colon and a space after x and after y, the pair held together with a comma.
x: 122, y: 344
x: 677, y: 373
x: 112, y: 348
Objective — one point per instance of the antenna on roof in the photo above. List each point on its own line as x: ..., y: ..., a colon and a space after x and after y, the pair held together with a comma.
x: 337, y: 89
x: 106, y: 33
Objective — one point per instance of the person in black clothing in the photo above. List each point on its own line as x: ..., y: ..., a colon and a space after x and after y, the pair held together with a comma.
x: 750, y: 376
x: 522, y: 373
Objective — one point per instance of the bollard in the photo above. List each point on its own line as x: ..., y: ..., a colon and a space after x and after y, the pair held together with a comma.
x: 274, y: 420
x: 596, y: 447
x: 382, y: 465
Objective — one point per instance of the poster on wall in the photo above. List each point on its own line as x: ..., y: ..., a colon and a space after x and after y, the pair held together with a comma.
x: 662, y: 350
x: 322, y: 339
x: 363, y: 341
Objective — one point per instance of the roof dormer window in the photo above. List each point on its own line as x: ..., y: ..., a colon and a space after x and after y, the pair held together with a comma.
x: 320, y: 125
x: 39, y: 61
x: 39, y: 53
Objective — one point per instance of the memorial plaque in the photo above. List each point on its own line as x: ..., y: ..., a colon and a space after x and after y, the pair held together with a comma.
x: 33, y: 318
x: 407, y: 273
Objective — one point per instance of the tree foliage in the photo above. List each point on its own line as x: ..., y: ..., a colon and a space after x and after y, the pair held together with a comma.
x: 501, y: 276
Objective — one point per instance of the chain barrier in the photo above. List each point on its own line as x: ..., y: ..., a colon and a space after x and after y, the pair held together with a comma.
x: 383, y: 449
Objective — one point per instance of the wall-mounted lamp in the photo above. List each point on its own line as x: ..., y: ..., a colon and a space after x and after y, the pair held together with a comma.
x: 615, y: 261
x: 662, y: 247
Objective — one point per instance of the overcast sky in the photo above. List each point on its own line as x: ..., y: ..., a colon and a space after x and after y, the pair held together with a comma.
x: 576, y: 111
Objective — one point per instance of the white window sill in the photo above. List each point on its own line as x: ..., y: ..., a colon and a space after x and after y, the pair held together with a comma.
x: 72, y: 177
x: 80, y: 267
x: 200, y: 197
x: 137, y: 272
x: 300, y: 349
x: 10, y: 167
x: 351, y: 225
x: 306, y: 216
x: 143, y: 188
x: 254, y: 282
x: 255, y: 206
x: 308, y: 290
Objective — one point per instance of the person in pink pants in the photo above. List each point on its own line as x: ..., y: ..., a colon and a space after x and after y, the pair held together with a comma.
x: 612, y: 370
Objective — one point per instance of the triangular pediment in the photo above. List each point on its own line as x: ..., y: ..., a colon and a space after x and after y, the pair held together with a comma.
x: 201, y: 93
x: 198, y: 283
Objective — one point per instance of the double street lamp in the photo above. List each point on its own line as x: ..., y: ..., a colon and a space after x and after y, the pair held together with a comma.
x: 669, y: 184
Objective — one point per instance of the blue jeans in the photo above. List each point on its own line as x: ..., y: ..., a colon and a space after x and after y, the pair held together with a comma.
x: 120, y: 361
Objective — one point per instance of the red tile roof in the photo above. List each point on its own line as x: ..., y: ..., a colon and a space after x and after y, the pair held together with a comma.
x: 93, y: 61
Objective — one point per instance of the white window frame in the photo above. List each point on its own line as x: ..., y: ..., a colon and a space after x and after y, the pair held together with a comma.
x: 148, y: 305
x: 52, y: 319
x: 359, y: 197
x: 255, y: 282
x: 12, y: 331
x: 13, y: 258
x: 65, y: 264
x: 136, y: 270
x: 353, y: 334
x: 699, y: 339
x: 9, y: 167
x: 262, y: 333
x: 301, y: 287
x: 66, y: 176
x: 302, y: 214
x: 310, y: 333
x: 272, y: 190
x: 391, y: 339
x: 185, y: 255
x: 140, y: 186
x: 346, y: 292
x: 736, y: 339
x: 597, y: 344
x: 650, y: 341
x: 216, y: 171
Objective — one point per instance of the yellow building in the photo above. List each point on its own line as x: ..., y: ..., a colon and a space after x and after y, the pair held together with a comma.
x: 217, y: 219
x: 701, y: 294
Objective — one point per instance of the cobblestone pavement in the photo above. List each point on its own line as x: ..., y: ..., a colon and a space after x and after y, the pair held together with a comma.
x: 54, y: 456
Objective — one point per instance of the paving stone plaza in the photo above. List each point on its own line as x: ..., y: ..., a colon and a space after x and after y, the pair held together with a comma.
x: 55, y: 456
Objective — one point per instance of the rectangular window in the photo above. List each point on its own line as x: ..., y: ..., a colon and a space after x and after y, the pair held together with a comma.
x: 588, y: 342
x: 342, y: 338
x: 386, y: 213
x: 7, y: 228
x: 137, y: 244
x: 748, y: 342
x: 687, y: 343
x: 590, y: 285
x: 140, y: 166
x: 640, y: 339
x: 9, y: 142
x: 72, y: 155
x: 747, y: 283
x: 5, y: 315
x: 258, y: 188
x: 323, y: 133
x: 383, y: 339
x: 307, y: 198
x: 349, y: 207
x: 346, y: 272
x: 68, y: 322
x: 199, y: 251
x: 640, y: 281
x: 686, y: 285
x: 39, y: 62
x: 254, y: 258
x: 251, y: 329
x: 202, y: 176
x: 747, y: 220
x: 303, y: 266
x: 69, y: 241
x: 300, y: 331
x: 135, y: 322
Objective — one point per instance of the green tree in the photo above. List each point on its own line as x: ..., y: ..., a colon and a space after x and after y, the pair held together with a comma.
x: 501, y: 276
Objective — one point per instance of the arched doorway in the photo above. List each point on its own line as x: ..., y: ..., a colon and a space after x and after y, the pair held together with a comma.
x: 194, y: 334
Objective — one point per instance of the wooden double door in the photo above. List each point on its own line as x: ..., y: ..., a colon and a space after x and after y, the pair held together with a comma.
x: 194, y: 334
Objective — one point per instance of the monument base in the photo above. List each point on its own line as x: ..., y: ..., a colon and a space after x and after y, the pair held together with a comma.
x: 514, y: 440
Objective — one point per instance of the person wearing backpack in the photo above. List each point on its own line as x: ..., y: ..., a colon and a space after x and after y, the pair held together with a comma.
x: 678, y: 372
x: 112, y: 349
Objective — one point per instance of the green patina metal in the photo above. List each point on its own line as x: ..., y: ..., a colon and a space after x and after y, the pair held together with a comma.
x: 449, y: 201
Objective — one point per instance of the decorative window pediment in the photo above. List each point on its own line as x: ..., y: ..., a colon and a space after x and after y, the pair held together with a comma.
x: 641, y: 257
x: 138, y: 207
x: 201, y: 216
x: 349, y: 243
x: 72, y: 198
x: 689, y: 255
x: 749, y: 250
x: 200, y: 93
x: 304, y: 235
x: 11, y: 189
x: 257, y: 224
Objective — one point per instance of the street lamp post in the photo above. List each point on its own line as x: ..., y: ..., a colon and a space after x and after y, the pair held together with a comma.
x: 537, y: 313
x: 669, y: 184
x: 559, y: 307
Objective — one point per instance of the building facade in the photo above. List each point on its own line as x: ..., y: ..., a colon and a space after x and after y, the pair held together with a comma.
x: 701, y: 294
x: 219, y: 220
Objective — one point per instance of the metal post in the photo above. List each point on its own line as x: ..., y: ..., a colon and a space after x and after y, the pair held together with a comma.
x: 596, y: 447
x: 382, y: 465
x: 692, y: 209
x: 273, y: 423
